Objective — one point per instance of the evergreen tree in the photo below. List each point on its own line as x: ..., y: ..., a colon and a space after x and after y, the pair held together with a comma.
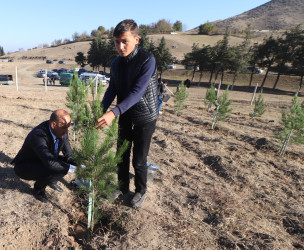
x: 81, y: 59
x: 206, y: 28
x: 224, y: 109
x: 292, y: 125
x: 177, y: 26
x: 268, y: 52
x: 144, y: 41
x: 76, y: 97
x: 210, y: 98
x: 180, y: 97
x: 240, y: 55
x: 259, y: 106
x: 163, y: 56
x: 1, y: 51
x: 95, y: 152
x: 93, y: 54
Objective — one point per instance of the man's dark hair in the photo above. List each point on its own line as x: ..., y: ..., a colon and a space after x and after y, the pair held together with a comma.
x: 124, y: 26
x: 54, y: 117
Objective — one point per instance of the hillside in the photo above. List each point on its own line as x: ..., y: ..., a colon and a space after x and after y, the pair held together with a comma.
x: 178, y: 45
x: 273, y: 15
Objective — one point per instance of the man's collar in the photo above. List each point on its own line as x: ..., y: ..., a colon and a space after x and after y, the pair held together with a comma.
x: 131, y: 55
x: 54, y: 137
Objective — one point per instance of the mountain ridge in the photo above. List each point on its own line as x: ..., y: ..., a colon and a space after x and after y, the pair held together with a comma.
x: 273, y: 15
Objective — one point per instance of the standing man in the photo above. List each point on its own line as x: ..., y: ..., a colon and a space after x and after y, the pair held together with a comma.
x: 39, y: 158
x: 134, y: 82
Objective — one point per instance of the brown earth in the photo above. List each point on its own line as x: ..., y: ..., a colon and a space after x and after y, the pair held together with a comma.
x: 216, y: 189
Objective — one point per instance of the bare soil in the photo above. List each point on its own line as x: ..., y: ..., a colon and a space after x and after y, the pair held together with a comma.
x: 222, y: 188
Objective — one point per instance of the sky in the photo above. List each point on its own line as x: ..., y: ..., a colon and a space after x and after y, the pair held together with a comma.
x: 27, y: 24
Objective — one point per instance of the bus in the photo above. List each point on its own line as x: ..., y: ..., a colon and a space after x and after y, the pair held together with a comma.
x: 6, y: 79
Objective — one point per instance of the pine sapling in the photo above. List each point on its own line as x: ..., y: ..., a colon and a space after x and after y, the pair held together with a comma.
x: 180, y: 97
x: 210, y: 98
x: 96, y: 153
x: 293, y: 125
x: 223, y: 110
x: 76, y: 97
x: 259, y: 106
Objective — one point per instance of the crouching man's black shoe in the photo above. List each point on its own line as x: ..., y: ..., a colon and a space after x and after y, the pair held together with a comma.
x: 55, y: 187
x: 40, y: 195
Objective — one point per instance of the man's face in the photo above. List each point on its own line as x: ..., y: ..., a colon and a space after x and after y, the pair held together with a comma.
x: 126, y: 43
x: 61, y: 127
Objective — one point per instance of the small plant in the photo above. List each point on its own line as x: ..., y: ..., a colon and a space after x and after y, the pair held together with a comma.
x: 259, y: 106
x: 210, y: 98
x: 180, y: 97
x: 293, y: 125
x: 223, y: 110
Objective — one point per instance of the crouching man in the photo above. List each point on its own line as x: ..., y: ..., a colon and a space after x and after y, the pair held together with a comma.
x: 39, y: 158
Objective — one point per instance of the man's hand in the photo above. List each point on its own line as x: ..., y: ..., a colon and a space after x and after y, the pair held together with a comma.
x: 105, y: 120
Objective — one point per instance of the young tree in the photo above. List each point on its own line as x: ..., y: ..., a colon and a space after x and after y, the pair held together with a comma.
x: 76, y: 97
x: 292, y: 125
x: 223, y: 110
x: 180, y: 97
x: 259, y: 106
x: 95, y: 151
x: 210, y: 98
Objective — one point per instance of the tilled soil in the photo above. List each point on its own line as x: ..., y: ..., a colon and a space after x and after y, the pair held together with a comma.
x: 216, y: 188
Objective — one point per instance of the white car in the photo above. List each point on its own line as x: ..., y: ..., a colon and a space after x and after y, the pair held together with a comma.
x: 87, y: 76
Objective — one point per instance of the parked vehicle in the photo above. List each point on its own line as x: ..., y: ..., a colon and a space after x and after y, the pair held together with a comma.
x: 255, y: 70
x: 49, y: 61
x: 80, y: 71
x: 61, y: 62
x: 170, y: 66
x: 87, y: 76
x: 65, y: 78
x: 104, y: 73
x: 6, y: 79
x: 52, y: 74
x: 62, y: 70
x: 41, y: 73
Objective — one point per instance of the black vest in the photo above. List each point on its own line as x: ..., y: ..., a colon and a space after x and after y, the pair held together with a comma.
x: 146, y: 110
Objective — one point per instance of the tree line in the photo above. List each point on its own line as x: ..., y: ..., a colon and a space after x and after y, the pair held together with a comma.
x: 283, y: 55
x: 102, y: 52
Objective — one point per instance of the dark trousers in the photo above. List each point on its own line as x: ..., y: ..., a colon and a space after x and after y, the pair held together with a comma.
x: 140, y: 137
x: 38, y: 172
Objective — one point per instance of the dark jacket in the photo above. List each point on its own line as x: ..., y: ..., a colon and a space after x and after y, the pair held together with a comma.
x: 39, y: 147
x: 124, y: 74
